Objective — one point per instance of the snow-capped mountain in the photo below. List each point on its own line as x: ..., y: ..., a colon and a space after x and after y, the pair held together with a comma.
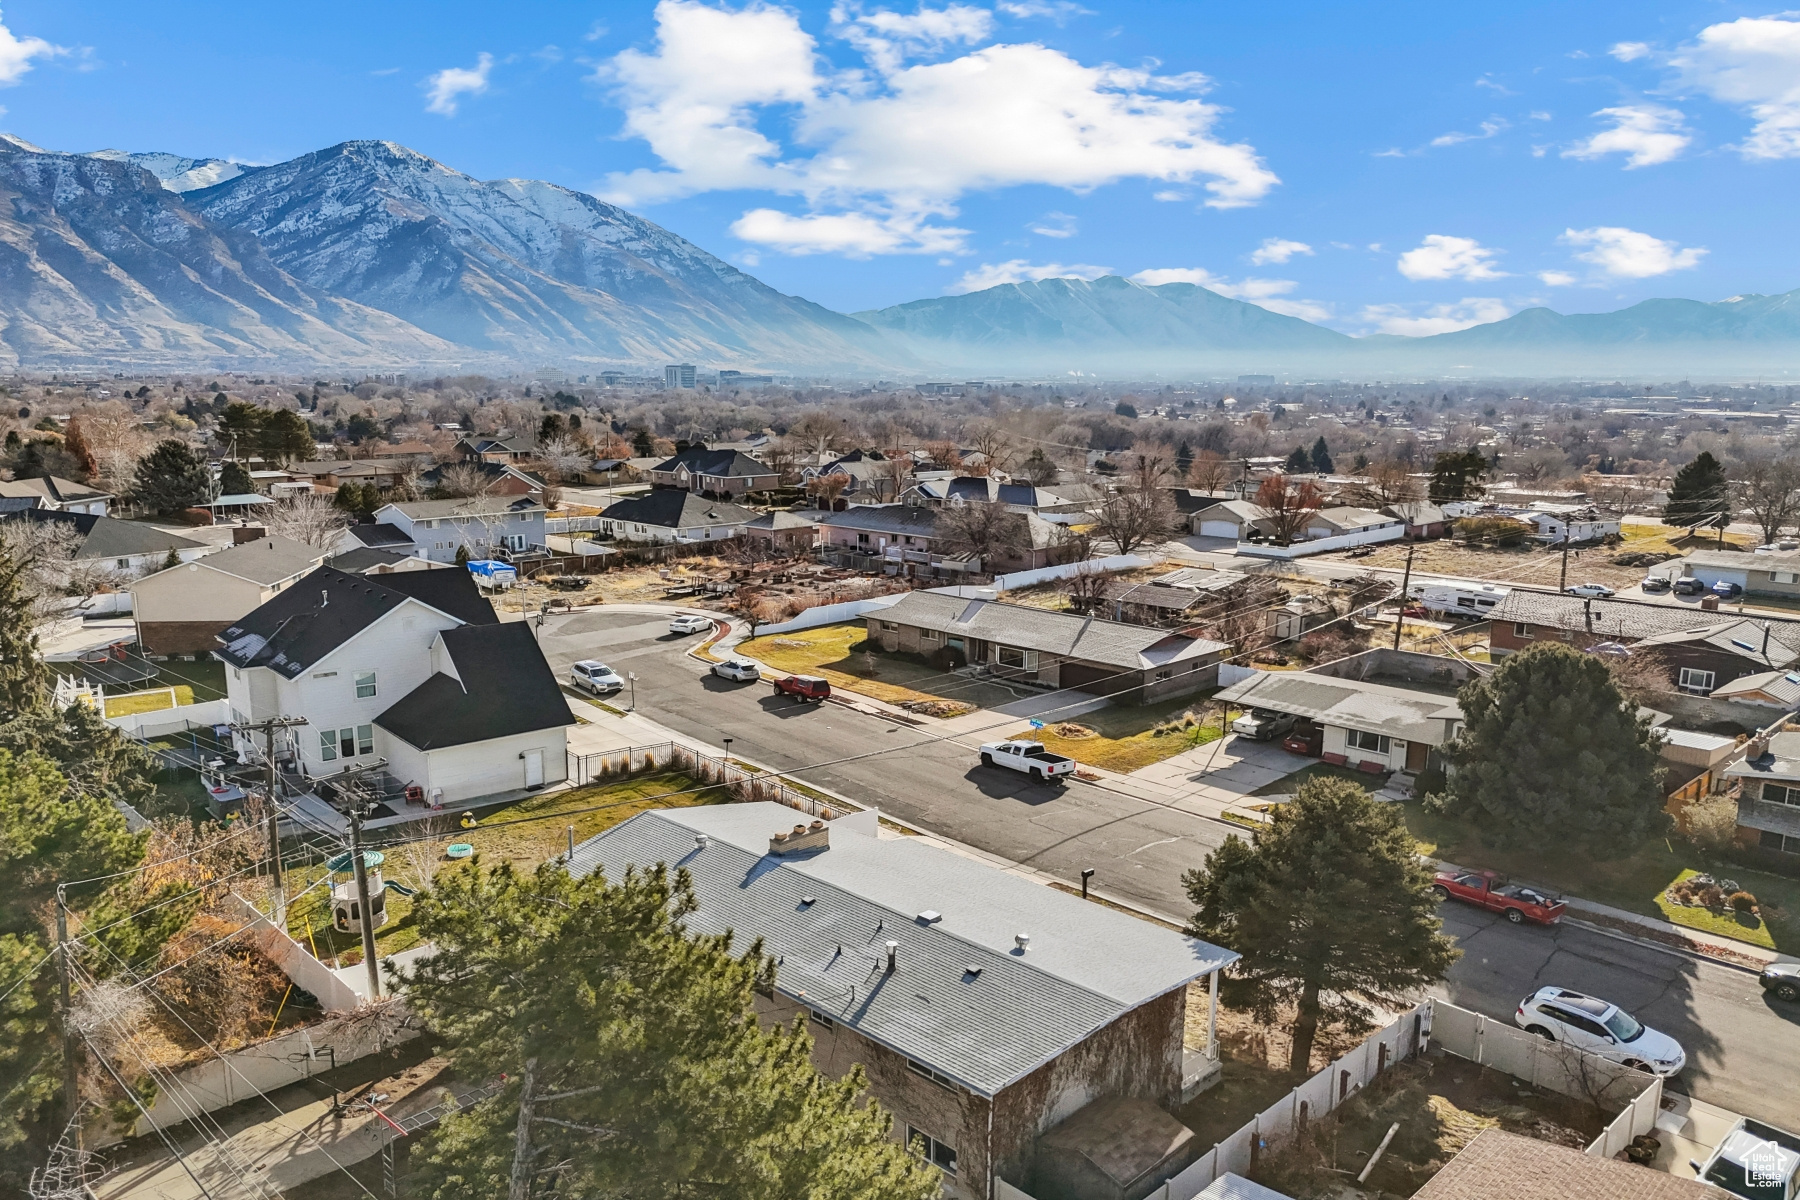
x: 100, y: 264
x: 178, y: 174
x: 520, y: 267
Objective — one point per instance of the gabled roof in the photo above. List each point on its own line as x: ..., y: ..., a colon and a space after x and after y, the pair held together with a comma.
x: 1129, y: 647
x: 1625, y: 620
x: 1417, y: 512
x: 782, y: 520
x: 964, y: 999
x: 721, y: 462
x: 502, y: 687
x: 267, y: 561
x: 1243, y: 510
x: 1780, y: 686
x: 295, y: 629
x: 676, y: 508
x: 914, y: 519
x: 487, y: 470
x: 1347, y: 517
x: 57, y: 491
x: 1404, y: 713
x: 378, y: 536
x: 364, y: 558
x: 1506, y: 1166
x: 466, y: 508
x: 109, y: 537
x: 1753, y: 641
x: 491, y: 445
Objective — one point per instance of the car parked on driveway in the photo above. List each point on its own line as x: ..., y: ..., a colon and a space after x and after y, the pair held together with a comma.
x: 689, y: 623
x: 1782, y: 981
x: 1490, y: 890
x: 1590, y: 591
x: 739, y: 669
x: 806, y: 687
x: 1725, y: 589
x: 596, y: 677
x: 1262, y: 725
x: 1655, y: 583
x: 1599, y: 1027
x: 1688, y: 587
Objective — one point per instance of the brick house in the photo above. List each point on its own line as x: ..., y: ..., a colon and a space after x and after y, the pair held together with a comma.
x: 984, y: 1008
x: 715, y: 472
x: 1134, y: 664
x: 1769, y: 800
x: 783, y: 532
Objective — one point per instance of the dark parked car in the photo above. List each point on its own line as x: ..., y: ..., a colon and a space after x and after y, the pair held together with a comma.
x: 806, y: 687
x: 1689, y: 587
x: 1782, y: 981
x: 1655, y: 583
x: 1725, y: 589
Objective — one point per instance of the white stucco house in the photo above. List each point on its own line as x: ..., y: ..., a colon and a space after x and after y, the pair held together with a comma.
x: 488, y: 526
x: 412, y: 669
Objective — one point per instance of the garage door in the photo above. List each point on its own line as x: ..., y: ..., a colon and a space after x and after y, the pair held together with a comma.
x: 1712, y: 575
x: 1219, y: 529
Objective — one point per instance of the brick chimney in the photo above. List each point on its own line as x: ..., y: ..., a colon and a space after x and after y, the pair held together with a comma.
x: 801, y: 838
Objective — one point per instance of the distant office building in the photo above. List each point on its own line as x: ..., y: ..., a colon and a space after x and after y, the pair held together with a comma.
x: 731, y: 378
x: 679, y: 375
x: 1256, y: 380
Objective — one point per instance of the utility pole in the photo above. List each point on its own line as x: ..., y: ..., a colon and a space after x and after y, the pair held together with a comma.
x: 1564, y: 585
x: 1405, y: 582
x: 519, y: 1186
x: 71, y: 1038
x: 277, y: 894
x: 362, y: 899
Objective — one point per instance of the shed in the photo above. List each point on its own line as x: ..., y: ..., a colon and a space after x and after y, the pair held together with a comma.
x: 1120, y: 1148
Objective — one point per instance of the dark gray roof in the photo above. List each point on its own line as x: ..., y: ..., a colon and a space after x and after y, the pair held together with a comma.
x: 363, y: 558
x: 109, y: 537
x: 1154, y: 595
x: 267, y: 560
x: 1131, y: 647
x: 1762, y: 642
x: 913, y: 519
x: 1086, y: 966
x: 676, y: 508
x: 379, y: 535
x: 315, y: 616
x: 725, y: 463
x: 502, y: 687
x: 1627, y: 620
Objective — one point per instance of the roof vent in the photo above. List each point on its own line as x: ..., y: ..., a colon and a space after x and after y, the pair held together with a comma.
x: 972, y: 970
x: 931, y: 917
x: 1022, y: 941
x: 700, y: 840
x: 893, y: 949
x: 806, y: 901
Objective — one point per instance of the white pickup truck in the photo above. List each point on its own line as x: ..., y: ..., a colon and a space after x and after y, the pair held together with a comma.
x: 1028, y: 757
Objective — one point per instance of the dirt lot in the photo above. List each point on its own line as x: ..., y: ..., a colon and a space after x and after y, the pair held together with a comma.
x: 1539, y: 565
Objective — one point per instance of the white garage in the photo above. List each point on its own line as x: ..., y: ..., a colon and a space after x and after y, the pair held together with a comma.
x: 1226, y: 519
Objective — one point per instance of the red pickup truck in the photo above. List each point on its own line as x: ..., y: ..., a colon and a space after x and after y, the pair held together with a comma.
x: 806, y: 687
x: 1491, y: 891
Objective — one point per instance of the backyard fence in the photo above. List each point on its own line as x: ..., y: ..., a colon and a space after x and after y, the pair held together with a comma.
x: 830, y: 614
x: 571, y: 524
x: 1342, y: 541
x: 172, y: 720
x: 745, y: 783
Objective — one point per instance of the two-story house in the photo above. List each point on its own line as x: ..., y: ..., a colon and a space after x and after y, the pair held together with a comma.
x: 58, y: 495
x: 487, y: 526
x: 182, y: 609
x: 412, y: 669
x: 720, y: 472
x: 1769, y: 802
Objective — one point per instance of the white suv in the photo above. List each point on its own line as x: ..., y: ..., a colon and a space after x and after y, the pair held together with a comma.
x: 1599, y: 1028
x: 739, y: 669
x: 596, y: 677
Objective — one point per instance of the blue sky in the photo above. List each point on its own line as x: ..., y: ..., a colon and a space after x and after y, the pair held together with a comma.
x: 1401, y: 167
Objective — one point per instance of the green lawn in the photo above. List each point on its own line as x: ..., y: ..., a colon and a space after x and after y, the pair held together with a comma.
x: 1742, y: 926
x: 149, y: 701
x: 838, y: 654
x: 1287, y: 785
x: 1634, y: 882
x: 1125, y: 736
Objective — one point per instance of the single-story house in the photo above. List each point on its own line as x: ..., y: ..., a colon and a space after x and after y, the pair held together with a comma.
x: 1130, y: 663
x: 330, y: 474
x: 1170, y: 596
x: 133, y: 547
x: 1772, y: 689
x: 907, y: 536
x: 1769, y: 799
x: 1369, y: 726
x: 1423, y: 519
x: 488, y: 526
x: 1020, y: 497
x: 1228, y: 519
x: 984, y: 1009
x: 1699, y: 660
x: 497, y: 478
x: 1557, y: 524
x: 182, y: 609
x: 1342, y: 520
x: 58, y: 495
x: 717, y: 472
x: 503, y: 448
x: 673, y: 515
x: 1523, y: 618
x: 471, y: 715
x: 1763, y: 573
x: 787, y: 532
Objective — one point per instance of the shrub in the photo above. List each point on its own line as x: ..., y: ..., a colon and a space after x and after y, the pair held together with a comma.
x: 1493, y: 531
x: 1711, y: 823
x: 1711, y: 896
x: 1743, y: 902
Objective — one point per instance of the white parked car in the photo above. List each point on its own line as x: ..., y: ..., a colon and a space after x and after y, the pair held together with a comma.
x: 595, y: 677
x: 1599, y: 1027
x: 738, y: 669
x: 1591, y: 591
x: 687, y: 623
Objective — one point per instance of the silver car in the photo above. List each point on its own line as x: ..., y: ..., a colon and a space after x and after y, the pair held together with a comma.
x: 595, y: 677
x: 742, y: 670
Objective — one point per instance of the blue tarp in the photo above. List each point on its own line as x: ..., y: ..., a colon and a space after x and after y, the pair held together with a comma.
x: 492, y: 569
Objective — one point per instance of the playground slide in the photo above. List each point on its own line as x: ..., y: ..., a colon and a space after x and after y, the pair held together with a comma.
x: 401, y: 888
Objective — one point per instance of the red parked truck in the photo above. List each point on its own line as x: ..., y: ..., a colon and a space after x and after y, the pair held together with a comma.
x: 805, y: 687
x: 1490, y: 890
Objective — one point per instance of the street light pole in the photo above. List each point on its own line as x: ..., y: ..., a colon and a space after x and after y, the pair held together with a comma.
x: 632, y: 675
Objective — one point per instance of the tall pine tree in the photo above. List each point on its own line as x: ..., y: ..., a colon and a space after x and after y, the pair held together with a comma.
x: 171, y: 478
x: 1321, y: 457
x: 1699, y: 497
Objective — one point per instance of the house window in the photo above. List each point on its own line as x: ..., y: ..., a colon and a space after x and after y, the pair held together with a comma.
x: 1693, y: 680
x: 820, y: 1019
x: 1521, y: 629
x: 365, y: 685
x: 932, y: 1150
x: 1007, y: 656
x: 365, y: 739
x: 1359, y: 740
x: 328, y: 745
x: 347, y: 742
x: 929, y: 635
x: 1770, y: 840
x: 1777, y: 793
x: 1784, y: 577
x: 937, y: 1077
x: 1161, y: 676
x: 123, y: 564
x: 890, y: 626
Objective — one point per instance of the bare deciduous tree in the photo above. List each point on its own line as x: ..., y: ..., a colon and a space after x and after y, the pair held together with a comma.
x: 1768, y: 488
x: 825, y: 489
x: 308, y: 517
x: 942, y: 454
x: 1137, y: 515
x: 563, y: 459
x: 1386, y: 483
x: 457, y: 481
x: 984, y: 530
x: 1211, y: 471
x: 1287, y: 505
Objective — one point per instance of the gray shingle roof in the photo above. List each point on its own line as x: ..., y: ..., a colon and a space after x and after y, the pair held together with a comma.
x: 913, y: 519
x: 1628, y: 620
x: 1133, y: 647
x: 676, y: 508
x: 1086, y: 965
x: 61, y: 491
x: 267, y: 560
x: 109, y: 537
x: 1783, y: 686
x: 469, y: 506
x: 1411, y: 716
x: 718, y: 462
x: 1760, y: 642
x: 1780, y: 560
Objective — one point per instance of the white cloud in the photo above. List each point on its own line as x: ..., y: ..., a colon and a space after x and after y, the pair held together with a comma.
x: 1277, y: 250
x: 1753, y: 62
x: 1487, y: 81
x: 444, y: 88
x: 1628, y: 254
x: 1391, y: 152
x: 17, y: 53
x: 1557, y: 278
x: 1169, y: 195
x: 1438, y: 318
x: 1647, y: 134
x: 1443, y: 257
x: 1054, y: 225
x: 1539, y: 115
x: 1489, y: 128
x: 1265, y: 293
x: 1058, y: 11
x: 989, y: 275
x: 1629, y: 51
x: 739, y: 98
x: 852, y: 234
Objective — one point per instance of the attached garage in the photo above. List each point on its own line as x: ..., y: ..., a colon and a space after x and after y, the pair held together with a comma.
x: 1219, y: 529
x: 1710, y: 575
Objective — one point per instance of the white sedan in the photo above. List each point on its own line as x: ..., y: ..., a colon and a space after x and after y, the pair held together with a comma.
x: 1599, y: 1027
x: 596, y: 677
x: 739, y: 669
x: 688, y: 623
x: 1591, y: 591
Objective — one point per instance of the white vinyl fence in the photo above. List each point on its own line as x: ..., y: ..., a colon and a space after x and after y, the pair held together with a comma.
x: 571, y: 524
x: 830, y: 614
x: 1343, y: 541
x: 1089, y: 566
x: 144, y: 726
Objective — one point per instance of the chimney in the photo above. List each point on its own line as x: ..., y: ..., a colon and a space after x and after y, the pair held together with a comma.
x: 816, y: 836
x: 893, y: 949
x: 247, y: 533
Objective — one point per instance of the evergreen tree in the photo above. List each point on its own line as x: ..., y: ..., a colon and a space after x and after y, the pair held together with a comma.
x: 286, y: 436
x: 1699, y: 497
x: 1126, y: 408
x: 643, y: 443
x: 1184, y: 458
x: 171, y: 559
x: 171, y: 478
x: 1299, y: 462
x: 234, y: 480
x: 462, y: 554
x: 1331, y: 909
x: 1321, y: 457
x: 1552, y: 754
x: 1038, y: 470
x: 24, y: 680
x: 635, y: 1062
x: 1457, y: 476
x: 240, y: 427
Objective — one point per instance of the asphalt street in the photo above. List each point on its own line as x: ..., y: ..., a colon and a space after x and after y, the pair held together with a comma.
x: 1743, y: 1050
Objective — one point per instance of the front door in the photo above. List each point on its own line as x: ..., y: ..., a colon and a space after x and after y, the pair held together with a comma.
x: 534, y: 768
x: 1416, y: 753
